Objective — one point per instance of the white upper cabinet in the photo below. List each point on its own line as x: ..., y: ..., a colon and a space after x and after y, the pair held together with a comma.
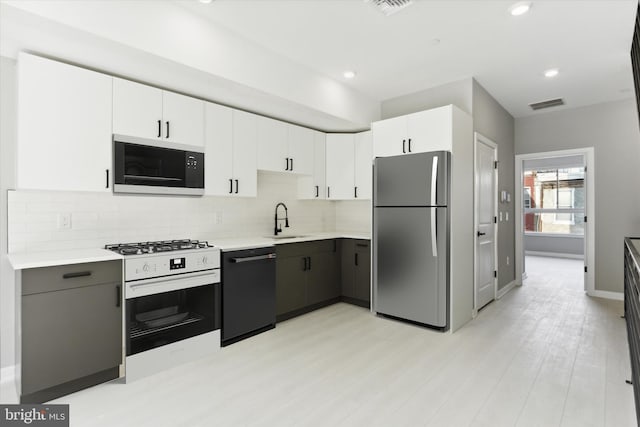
x: 340, y: 166
x: 314, y: 187
x: 64, y: 126
x: 273, y: 151
x: 363, y: 158
x: 245, y: 171
x: 301, y: 148
x: 148, y: 112
x: 429, y: 130
x: 283, y: 147
x: 230, y: 152
x: 183, y: 119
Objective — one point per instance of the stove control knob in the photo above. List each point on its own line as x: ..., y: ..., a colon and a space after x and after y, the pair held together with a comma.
x: 205, y: 260
x: 145, y: 267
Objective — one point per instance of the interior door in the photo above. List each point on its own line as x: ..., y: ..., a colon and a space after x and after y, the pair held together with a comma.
x: 410, y: 266
x: 485, y: 249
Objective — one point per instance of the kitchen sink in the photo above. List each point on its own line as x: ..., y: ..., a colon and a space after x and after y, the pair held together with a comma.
x: 284, y: 237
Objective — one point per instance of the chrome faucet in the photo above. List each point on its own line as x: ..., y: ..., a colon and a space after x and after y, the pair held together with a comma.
x: 277, y: 228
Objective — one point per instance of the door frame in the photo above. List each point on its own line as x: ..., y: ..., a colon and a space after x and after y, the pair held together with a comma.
x: 589, y: 235
x: 478, y: 138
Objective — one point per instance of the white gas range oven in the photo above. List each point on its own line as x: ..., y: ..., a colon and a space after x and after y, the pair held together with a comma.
x: 172, y: 312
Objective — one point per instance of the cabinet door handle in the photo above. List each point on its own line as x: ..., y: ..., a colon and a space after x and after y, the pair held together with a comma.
x: 287, y: 167
x: 237, y: 186
x: 317, y: 191
x: 356, y: 258
x: 328, y: 192
x: 159, y: 128
x: 291, y: 164
x: 355, y: 192
x: 230, y: 186
x: 362, y: 245
x: 76, y: 274
x: 167, y: 129
x: 118, y: 295
x: 106, y: 172
x: 304, y: 265
x: 309, y: 258
x: 403, y: 146
x: 409, y: 144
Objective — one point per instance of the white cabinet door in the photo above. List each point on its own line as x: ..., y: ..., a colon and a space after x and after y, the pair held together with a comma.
x: 182, y: 119
x: 363, y: 176
x: 314, y: 187
x: 301, y: 150
x: 390, y: 137
x: 430, y: 130
x: 272, y: 145
x: 218, y: 168
x: 245, y: 171
x: 64, y: 126
x: 137, y: 110
x: 340, y: 166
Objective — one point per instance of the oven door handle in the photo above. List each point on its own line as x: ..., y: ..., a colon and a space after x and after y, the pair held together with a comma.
x: 140, y: 288
x: 253, y: 258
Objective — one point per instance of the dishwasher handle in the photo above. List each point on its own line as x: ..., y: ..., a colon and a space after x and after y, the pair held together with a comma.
x: 254, y: 258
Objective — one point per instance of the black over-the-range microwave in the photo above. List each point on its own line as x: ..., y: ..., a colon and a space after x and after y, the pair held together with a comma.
x: 146, y: 166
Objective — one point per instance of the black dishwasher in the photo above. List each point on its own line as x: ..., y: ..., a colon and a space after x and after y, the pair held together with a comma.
x: 248, y: 293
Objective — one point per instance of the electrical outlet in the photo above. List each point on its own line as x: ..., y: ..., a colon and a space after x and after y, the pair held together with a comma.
x: 64, y: 221
x: 506, y: 216
x: 507, y: 260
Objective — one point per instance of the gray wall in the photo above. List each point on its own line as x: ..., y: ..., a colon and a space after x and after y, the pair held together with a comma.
x: 8, y: 121
x: 612, y: 129
x: 560, y: 245
x: 456, y: 93
x: 494, y: 122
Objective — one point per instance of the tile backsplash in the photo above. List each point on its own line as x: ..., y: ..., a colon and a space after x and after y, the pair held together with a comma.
x: 98, y: 219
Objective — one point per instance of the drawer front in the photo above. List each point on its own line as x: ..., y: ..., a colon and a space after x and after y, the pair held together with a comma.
x: 305, y: 248
x: 48, y: 279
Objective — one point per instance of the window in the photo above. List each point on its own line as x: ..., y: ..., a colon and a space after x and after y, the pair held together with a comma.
x: 554, y: 201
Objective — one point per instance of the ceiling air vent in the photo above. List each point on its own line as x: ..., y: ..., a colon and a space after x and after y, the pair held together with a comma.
x: 547, y: 104
x: 389, y: 7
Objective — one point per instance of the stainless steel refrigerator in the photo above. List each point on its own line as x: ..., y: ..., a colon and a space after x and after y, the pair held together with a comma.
x: 411, y: 237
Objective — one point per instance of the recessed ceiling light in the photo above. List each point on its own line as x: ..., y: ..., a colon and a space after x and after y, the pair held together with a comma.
x: 349, y: 74
x: 551, y: 72
x: 205, y: 1
x: 520, y: 8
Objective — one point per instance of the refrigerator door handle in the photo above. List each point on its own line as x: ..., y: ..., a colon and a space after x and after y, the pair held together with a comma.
x: 434, y: 182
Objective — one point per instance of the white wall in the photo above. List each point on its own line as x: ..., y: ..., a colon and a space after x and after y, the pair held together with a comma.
x: 353, y: 215
x: 457, y: 93
x: 493, y: 121
x: 98, y: 219
x: 612, y: 129
x: 8, y: 124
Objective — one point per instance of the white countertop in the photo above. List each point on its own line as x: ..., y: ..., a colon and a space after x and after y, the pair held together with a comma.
x: 20, y: 261
x: 238, y: 243
x: 23, y: 260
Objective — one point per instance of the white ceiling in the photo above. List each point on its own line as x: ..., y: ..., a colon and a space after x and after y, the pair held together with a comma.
x: 589, y: 41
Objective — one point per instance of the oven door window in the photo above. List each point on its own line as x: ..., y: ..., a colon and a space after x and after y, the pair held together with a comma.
x: 164, y: 318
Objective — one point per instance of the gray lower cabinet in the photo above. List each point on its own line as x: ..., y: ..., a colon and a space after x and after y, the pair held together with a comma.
x: 356, y: 271
x: 71, y: 321
x: 307, y: 276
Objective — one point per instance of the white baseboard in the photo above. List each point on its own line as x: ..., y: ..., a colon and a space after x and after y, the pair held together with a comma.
x: 554, y: 254
x: 502, y: 292
x: 7, y: 374
x: 618, y: 296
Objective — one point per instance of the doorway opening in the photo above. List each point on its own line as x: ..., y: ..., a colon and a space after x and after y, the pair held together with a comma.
x: 554, y: 212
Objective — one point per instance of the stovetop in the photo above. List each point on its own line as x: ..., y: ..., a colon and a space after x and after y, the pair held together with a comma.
x: 157, y: 247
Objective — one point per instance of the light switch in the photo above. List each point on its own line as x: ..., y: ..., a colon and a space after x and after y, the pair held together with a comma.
x: 500, y: 216
x: 64, y: 221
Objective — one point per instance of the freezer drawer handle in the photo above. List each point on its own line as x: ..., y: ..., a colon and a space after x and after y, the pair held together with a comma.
x: 254, y: 258
x: 434, y: 182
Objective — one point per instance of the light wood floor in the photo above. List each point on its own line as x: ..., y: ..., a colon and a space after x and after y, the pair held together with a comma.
x: 543, y: 355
